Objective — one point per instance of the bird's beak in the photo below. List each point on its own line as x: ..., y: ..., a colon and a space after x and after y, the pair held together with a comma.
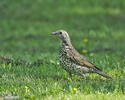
x: 53, y: 33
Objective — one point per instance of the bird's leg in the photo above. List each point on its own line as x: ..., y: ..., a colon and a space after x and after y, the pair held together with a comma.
x: 83, y: 75
x: 70, y: 75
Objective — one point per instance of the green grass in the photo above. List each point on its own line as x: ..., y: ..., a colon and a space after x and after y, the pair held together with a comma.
x: 29, y: 54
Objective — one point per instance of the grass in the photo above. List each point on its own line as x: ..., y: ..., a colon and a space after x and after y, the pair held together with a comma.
x: 29, y: 54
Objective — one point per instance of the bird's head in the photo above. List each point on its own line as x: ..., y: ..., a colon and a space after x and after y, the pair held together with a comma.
x: 63, y: 35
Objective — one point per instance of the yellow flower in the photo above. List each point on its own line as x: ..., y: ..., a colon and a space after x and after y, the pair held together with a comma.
x: 85, y: 40
x: 74, y: 89
x: 84, y: 51
x: 26, y: 87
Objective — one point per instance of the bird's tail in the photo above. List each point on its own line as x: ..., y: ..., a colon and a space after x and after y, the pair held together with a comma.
x: 103, y: 74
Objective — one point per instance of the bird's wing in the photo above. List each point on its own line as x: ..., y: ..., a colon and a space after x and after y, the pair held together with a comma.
x: 79, y: 59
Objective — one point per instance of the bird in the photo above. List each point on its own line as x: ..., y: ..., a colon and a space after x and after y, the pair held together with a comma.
x: 72, y: 61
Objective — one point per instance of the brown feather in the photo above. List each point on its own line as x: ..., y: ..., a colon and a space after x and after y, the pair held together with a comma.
x: 79, y: 59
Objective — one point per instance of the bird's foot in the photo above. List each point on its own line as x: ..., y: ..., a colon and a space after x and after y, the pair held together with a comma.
x: 70, y: 76
x: 84, y: 77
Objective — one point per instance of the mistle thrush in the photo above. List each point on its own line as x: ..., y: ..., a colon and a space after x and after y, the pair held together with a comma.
x: 72, y: 61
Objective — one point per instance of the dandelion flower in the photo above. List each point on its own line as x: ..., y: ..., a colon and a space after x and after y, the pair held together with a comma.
x: 26, y: 87
x: 84, y: 51
x: 74, y: 89
x: 85, y: 40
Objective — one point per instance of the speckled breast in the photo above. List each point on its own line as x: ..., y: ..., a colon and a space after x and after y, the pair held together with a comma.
x: 66, y: 63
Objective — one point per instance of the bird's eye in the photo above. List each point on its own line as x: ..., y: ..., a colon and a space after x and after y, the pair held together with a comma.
x: 60, y: 32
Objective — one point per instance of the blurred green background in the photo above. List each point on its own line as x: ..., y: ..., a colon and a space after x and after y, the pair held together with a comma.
x: 25, y: 34
x: 26, y: 25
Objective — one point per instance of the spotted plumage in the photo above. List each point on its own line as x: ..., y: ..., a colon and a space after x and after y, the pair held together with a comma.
x: 71, y: 60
